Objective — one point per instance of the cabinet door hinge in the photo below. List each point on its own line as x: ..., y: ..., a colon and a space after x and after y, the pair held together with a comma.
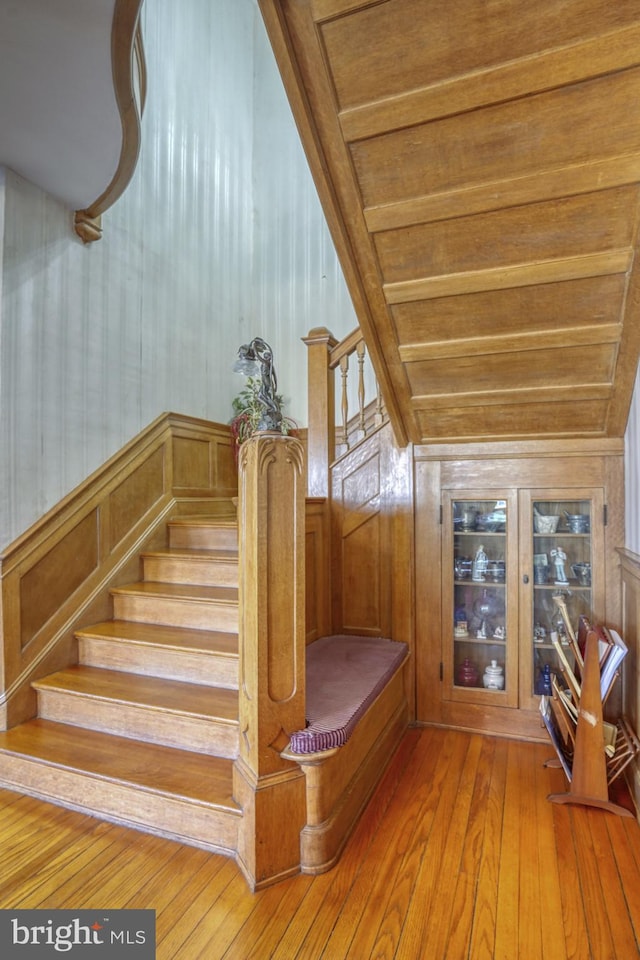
x: 441, y: 670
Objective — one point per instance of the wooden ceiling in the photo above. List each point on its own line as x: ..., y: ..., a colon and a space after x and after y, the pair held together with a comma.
x: 479, y: 166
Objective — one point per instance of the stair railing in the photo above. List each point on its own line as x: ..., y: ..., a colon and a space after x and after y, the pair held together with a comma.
x: 329, y: 438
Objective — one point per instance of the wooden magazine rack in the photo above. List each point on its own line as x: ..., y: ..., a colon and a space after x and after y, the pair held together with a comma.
x: 592, y: 769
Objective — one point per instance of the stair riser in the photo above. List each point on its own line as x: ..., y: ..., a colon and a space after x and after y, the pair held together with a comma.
x: 139, y: 722
x: 195, y: 824
x: 219, y: 573
x: 177, y: 613
x: 190, y: 667
x: 203, y: 538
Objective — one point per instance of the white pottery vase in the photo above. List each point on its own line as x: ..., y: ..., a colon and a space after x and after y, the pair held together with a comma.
x: 493, y: 678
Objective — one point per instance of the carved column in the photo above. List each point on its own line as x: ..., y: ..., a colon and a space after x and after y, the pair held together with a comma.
x: 270, y: 790
x: 321, y: 413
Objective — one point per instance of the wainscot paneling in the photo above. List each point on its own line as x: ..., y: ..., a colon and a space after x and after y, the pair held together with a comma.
x: 56, y: 577
x: 317, y: 569
x: 372, y: 547
x: 632, y: 473
x: 630, y: 568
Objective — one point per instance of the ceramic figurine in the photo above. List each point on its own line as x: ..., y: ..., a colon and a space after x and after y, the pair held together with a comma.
x: 480, y: 564
x: 559, y: 557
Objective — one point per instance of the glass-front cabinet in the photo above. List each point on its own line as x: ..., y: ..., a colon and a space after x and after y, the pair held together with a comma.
x: 480, y: 606
x: 519, y: 568
x: 561, y: 578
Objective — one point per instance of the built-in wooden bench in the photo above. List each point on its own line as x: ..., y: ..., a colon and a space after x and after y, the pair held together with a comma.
x: 356, y: 710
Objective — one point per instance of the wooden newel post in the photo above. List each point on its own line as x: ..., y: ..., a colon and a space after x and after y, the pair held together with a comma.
x: 270, y: 790
x: 321, y: 439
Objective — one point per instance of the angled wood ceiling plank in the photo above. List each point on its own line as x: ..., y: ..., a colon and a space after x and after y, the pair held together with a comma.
x: 586, y: 122
x: 388, y: 48
x: 514, y: 275
x: 544, y: 185
x: 582, y: 302
x: 536, y: 73
x: 563, y: 339
x: 549, y: 394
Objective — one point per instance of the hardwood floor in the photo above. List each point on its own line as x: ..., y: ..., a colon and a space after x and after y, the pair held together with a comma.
x: 459, y: 855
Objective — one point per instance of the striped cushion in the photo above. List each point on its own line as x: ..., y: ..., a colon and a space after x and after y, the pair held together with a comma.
x: 344, y: 675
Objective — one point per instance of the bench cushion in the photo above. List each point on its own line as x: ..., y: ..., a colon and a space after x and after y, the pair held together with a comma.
x: 344, y: 675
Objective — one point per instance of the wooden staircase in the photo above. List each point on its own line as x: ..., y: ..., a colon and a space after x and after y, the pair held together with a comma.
x: 144, y: 729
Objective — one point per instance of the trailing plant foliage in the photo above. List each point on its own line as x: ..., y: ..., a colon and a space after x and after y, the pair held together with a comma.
x: 247, y: 409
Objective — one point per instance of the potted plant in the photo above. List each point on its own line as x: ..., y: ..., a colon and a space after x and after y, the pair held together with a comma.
x: 248, y: 410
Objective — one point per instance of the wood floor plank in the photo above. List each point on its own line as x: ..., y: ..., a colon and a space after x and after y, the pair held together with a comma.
x: 117, y: 887
x: 180, y: 869
x: 530, y: 916
x: 395, y: 896
x: 263, y: 935
x: 204, y: 917
x: 550, y: 892
x: 253, y: 938
x: 174, y: 922
x: 429, y: 879
x: 107, y: 856
x: 458, y: 836
x: 573, y: 906
x: 46, y: 855
x: 457, y: 842
x: 482, y: 932
x: 507, y: 907
x: 612, y: 909
x: 628, y: 868
x: 479, y: 824
x: 368, y: 897
x: 595, y: 912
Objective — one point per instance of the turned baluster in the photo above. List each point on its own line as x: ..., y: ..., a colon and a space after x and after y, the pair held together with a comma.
x: 344, y: 370
x: 360, y: 351
x: 379, y: 414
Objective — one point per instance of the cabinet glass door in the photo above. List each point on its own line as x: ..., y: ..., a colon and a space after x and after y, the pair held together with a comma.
x: 478, y: 620
x: 564, y: 578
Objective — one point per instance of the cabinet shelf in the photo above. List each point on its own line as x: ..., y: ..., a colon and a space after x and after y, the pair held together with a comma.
x: 485, y: 584
x: 480, y: 533
x: 482, y: 641
x: 543, y: 645
x: 561, y: 535
x: 554, y: 587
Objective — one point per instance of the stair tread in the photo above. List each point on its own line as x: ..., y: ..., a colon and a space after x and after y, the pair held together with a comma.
x: 187, y: 699
x: 178, y: 591
x: 204, y: 521
x: 180, y: 638
x: 194, y: 553
x: 166, y: 770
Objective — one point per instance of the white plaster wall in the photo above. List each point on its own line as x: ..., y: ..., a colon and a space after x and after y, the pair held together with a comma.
x: 632, y: 473
x: 298, y: 281
x: 218, y: 238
